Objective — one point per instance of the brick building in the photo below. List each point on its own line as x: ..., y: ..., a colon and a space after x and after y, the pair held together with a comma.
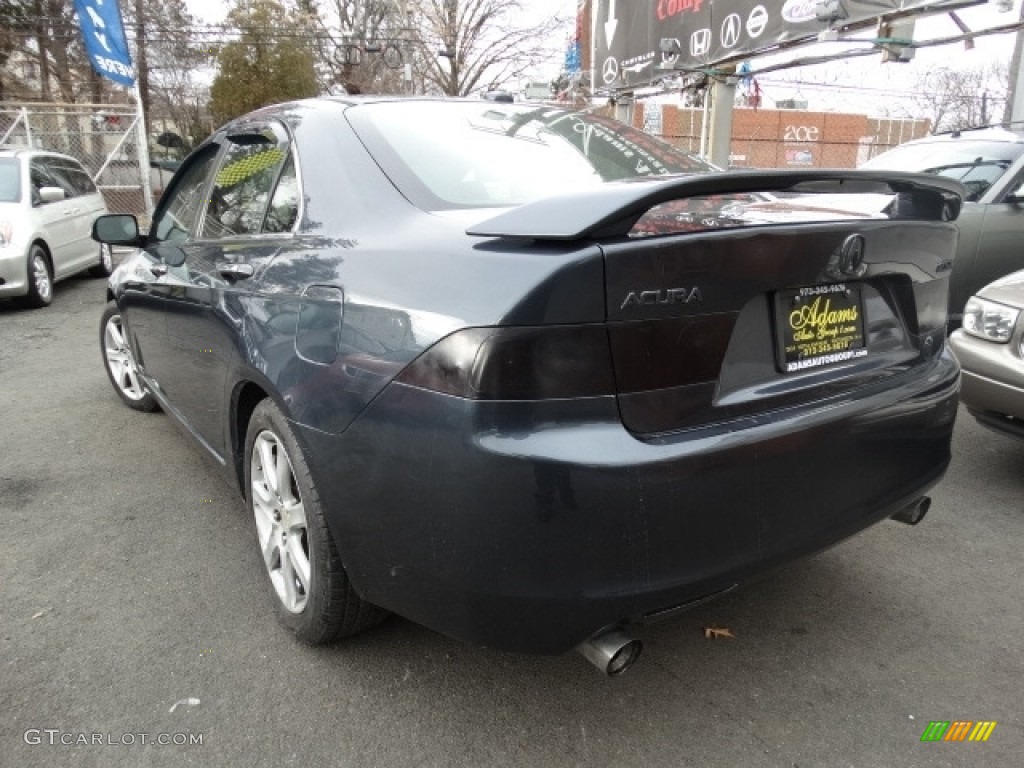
x: 785, y: 138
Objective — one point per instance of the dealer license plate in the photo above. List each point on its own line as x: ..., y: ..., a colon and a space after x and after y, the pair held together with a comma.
x: 819, y: 325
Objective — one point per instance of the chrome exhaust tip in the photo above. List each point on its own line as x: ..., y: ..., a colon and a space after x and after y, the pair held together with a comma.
x: 915, y: 512
x: 613, y: 652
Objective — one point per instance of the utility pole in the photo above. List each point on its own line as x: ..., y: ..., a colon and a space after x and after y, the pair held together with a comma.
x: 407, y: 48
x: 142, y: 60
x: 723, y: 97
x: 1014, y: 112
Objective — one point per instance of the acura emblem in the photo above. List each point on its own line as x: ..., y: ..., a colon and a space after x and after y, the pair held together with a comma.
x: 731, y: 30
x: 851, y: 256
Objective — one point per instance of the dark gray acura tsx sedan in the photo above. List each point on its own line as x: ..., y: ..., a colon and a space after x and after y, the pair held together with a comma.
x: 530, y: 377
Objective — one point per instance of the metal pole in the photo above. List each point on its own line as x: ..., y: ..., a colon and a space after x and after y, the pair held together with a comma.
x: 592, y: 46
x: 705, y: 124
x: 407, y: 62
x: 142, y: 150
x: 1014, y: 111
x: 723, y: 98
x: 28, y: 126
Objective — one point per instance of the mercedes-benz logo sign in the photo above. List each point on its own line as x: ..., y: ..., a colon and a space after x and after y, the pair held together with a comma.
x: 851, y: 256
x: 610, y: 71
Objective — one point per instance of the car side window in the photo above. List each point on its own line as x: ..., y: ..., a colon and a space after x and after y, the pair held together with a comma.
x: 10, y: 180
x: 79, y: 178
x: 1015, y: 190
x: 284, y: 205
x: 178, y: 218
x: 40, y: 176
x: 242, y: 188
x: 62, y: 175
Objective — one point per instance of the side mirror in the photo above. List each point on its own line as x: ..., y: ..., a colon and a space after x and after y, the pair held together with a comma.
x: 51, y: 194
x: 1017, y: 195
x: 117, y: 229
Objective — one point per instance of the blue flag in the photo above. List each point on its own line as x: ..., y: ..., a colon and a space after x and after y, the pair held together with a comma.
x: 105, y: 43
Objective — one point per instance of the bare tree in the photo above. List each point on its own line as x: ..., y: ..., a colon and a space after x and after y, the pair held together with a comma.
x: 180, y: 105
x: 480, y: 43
x: 53, y: 41
x: 166, y: 52
x: 955, y: 99
x: 359, y: 44
x: 17, y: 25
x: 447, y: 46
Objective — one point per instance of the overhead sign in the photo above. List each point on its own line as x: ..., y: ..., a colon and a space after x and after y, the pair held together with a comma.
x: 103, y: 34
x: 638, y: 41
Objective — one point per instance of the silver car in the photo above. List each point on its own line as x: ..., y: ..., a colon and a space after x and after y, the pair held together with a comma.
x: 47, y: 206
x: 990, y: 347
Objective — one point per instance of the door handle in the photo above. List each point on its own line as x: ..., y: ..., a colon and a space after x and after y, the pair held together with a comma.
x: 234, y: 271
x: 158, y: 269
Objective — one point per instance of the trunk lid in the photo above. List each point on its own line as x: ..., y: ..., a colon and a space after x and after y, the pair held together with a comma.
x: 727, y: 307
x: 729, y: 296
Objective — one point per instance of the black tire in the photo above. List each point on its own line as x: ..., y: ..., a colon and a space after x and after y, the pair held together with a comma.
x: 40, y: 278
x: 106, y: 263
x: 119, y: 362
x: 327, y: 607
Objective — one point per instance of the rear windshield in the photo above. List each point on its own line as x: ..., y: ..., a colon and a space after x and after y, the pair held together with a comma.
x: 977, y: 164
x: 445, y: 155
x: 10, y: 180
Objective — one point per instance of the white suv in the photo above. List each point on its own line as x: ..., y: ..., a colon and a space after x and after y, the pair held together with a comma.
x: 47, y: 206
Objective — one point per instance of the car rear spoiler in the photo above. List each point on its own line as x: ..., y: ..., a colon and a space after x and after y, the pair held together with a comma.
x: 611, y: 210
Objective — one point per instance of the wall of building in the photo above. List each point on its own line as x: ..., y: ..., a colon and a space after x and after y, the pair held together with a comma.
x: 785, y: 138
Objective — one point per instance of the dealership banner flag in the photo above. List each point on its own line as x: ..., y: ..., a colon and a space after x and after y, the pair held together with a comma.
x: 105, y: 43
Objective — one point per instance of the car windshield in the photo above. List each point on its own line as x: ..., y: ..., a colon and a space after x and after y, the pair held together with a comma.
x: 489, y: 155
x: 10, y: 180
x: 976, y: 164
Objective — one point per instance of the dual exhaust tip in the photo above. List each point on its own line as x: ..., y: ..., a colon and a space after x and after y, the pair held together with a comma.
x: 914, y: 513
x: 613, y: 651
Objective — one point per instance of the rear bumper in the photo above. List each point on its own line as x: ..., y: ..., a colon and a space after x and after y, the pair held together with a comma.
x: 530, y: 526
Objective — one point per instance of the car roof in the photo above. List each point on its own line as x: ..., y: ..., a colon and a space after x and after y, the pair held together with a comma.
x: 988, y: 133
x: 14, y: 150
x: 325, y: 103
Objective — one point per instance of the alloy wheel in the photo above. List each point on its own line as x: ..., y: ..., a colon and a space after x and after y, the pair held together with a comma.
x: 280, y: 521
x: 120, y: 360
x: 41, y: 278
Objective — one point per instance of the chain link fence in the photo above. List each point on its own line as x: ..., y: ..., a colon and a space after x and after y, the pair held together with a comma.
x: 102, y: 137
x: 784, y: 138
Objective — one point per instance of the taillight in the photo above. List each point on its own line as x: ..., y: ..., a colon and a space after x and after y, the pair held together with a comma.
x: 534, y: 363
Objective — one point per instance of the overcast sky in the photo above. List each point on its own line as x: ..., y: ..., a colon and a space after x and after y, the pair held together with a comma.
x: 868, y: 85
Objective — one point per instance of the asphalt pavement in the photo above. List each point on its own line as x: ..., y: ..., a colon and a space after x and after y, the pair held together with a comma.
x: 133, y: 611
